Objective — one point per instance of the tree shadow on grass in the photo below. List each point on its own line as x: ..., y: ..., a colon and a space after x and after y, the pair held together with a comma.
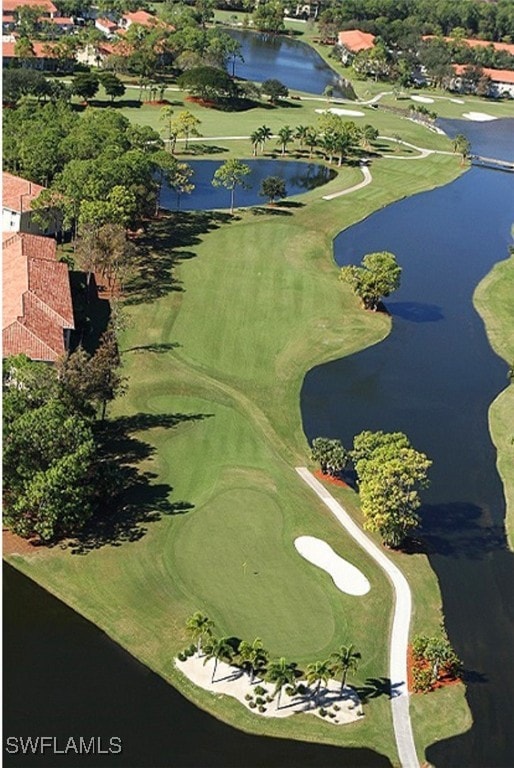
x: 261, y: 210
x: 163, y: 246
x: 375, y: 687
x: 135, y: 500
x: 204, y: 149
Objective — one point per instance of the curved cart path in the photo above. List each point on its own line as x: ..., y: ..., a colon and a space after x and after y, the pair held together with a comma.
x: 400, y: 628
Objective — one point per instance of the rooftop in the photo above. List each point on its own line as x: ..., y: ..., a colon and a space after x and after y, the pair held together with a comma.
x: 18, y: 193
x: 354, y: 40
x: 36, y: 297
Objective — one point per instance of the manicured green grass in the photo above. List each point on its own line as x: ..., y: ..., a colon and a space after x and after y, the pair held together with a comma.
x: 230, y: 316
x: 493, y: 299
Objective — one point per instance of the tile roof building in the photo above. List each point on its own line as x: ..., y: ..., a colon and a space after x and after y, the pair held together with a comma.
x: 37, y: 310
x: 352, y: 41
x: 17, y: 197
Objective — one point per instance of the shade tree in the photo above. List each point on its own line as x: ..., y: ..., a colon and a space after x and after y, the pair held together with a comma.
x: 231, y: 174
x: 376, y: 278
x: 273, y: 187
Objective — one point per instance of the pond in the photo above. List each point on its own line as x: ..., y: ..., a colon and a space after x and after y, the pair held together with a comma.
x: 66, y: 677
x: 299, y: 177
x: 434, y: 378
x: 292, y: 62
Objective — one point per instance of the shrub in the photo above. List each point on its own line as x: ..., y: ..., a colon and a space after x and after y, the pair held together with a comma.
x: 332, y: 714
x: 323, y: 712
x: 290, y: 690
x: 181, y: 656
x: 337, y: 707
x: 260, y: 700
x: 248, y: 697
x: 252, y: 704
x: 269, y: 699
x: 262, y: 708
x: 419, y: 647
x: 301, y: 689
x: 260, y: 691
x: 422, y: 679
x: 188, y: 652
x: 192, y: 648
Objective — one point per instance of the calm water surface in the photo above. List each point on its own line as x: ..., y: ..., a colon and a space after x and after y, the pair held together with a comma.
x: 292, y: 62
x: 434, y: 378
x: 65, y: 677
x: 299, y: 177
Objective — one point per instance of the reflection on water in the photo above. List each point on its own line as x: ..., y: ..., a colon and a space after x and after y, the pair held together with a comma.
x: 292, y: 62
x: 299, y: 177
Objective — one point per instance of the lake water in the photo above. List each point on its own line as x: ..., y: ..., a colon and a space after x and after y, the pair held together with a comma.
x: 434, y: 378
x: 299, y: 177
x: 292, y: 62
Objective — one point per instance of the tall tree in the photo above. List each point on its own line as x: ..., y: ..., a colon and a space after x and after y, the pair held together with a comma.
x: 112, y: 85
x: 186, y: 125
x: 317, y: 673
x: 253, y: 657
x: 378, y: 277
x: 200, y: 628
x: 231, y: 175
x: 390, y: 477
x: 282, y: 673
x: 273, y: 187
x: 218, y: 649
x: 345, y: 659
x: 275, y: 89
x: 285, y: 136
x: 86, y: 85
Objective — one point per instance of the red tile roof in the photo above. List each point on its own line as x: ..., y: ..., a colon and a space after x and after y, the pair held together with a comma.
x: 141, y: 17
x: 354, y: 40
x: 106, y: 23
x: 47, y: 5
x: 41, y: 50
x: 37, y: 306
x: 496, y: 75
x: 473, y: 43
x: 18, y: 193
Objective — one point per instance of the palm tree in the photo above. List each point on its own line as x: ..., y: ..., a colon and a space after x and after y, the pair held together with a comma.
x: 199, y: 627
x: 342, y: 143
x: 218, y: 649
x: 329, y: 145
x: 255, y: 139
x: 285, y: 135
x: 311, y: 139
x: 301, y: 132
x: 318, y: 672
x: 252, y: 656
x: 344, y: 660
x: 281, y: 673
x: 265, y: 134
x: 461, y: 146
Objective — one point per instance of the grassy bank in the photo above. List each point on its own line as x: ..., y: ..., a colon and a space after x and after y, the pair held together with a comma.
x: 493, y: 300
x: 225, y: 318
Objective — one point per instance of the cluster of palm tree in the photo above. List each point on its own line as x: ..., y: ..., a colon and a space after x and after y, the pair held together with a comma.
x: 335, y: 139
x: 255, y: 660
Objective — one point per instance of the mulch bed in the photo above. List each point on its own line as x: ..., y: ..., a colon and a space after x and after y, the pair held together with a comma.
x: 157, y: 103
x: 329, y: 479
x: 15, y: 545
x: 201, y: 102
x: 445, y: 679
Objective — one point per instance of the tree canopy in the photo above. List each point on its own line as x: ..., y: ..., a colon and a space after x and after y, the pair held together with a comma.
x: 390, y: 473
x: 378, y: 277
x: 230, y: 175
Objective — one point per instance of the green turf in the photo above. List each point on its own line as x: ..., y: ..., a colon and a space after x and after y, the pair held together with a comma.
x: 493, y: 299
x: 227, y: 316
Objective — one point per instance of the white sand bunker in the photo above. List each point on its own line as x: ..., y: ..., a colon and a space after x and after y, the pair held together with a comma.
x: 341, y: 112
x: 479, y: 117
x: 345, y: 576
x: 340, y: 706
x: 422, y: 99
x: 457, y: 101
